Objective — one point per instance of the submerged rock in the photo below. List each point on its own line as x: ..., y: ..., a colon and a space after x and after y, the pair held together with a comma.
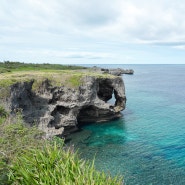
x: 59, y: 110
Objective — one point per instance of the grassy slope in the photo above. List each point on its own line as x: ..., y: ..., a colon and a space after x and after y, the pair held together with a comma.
x: 70, y: 76
x: 26, y: 158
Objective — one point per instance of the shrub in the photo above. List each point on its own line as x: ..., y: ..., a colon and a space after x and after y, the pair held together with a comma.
x: 3, y: 112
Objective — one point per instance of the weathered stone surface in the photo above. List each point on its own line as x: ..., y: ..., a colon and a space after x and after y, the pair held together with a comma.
x: 118, y: 71
x: 57, y: 110
x: 113, y: 71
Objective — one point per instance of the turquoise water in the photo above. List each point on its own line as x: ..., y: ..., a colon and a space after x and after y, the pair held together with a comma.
x: 147, y: 145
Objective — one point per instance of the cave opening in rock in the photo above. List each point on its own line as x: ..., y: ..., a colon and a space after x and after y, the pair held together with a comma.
x: 116, y: 98
x: 91, y: 114
x: 87, y: 114
x: 105, y: 90
x: 107, y: 93
x: 61, y: 110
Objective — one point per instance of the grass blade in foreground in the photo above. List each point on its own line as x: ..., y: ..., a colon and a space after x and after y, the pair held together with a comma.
x: 54, y: 165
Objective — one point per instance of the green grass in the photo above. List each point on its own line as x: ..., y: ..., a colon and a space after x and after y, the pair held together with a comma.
x: 15, y: 139
x: 75, y: 80
x: 55, y: 165
x: 58, y: 75
x: 27, y: 159
x: 3, y: 112
x: 9, y: 66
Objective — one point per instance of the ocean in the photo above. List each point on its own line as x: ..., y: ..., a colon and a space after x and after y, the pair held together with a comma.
x: 147, y: 145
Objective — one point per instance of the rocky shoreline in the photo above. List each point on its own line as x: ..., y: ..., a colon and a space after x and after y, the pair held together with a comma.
x: 58, y: 110
x: 113, y: 71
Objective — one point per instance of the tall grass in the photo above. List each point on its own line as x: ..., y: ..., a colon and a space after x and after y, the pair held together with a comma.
x: 55, y: 165
x: 27, y: 159
x: 15, y: 139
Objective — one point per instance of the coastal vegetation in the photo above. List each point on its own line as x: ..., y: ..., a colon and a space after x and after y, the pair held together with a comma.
x: 57, y: 75
x: 26, y: 157
x: 8, y: 66
x: 12, y: 72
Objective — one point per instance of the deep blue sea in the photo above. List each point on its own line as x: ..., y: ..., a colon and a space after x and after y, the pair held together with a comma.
x: 147, y: 145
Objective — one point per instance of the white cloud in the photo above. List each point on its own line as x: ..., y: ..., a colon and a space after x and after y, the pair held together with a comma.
x: 148, y: 21
x: 69, y: 54
x: 122, y: 20
x: 181, y: 47
x: 60, y: 24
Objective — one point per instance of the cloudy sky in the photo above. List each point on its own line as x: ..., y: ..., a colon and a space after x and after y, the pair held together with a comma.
x: 93, y: 31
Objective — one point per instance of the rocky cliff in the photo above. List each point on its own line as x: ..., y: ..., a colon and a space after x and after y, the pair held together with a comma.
x: 58, y: 110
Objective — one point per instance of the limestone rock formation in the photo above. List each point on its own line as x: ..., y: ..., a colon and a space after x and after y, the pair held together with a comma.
x: 118, y: 71
x: 58, y: 110
x: 113, y: 71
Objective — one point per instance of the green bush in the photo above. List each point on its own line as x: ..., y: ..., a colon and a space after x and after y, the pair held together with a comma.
x: 3, y: 112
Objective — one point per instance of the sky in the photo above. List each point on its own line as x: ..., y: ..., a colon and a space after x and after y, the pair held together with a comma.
x: 93, y: 31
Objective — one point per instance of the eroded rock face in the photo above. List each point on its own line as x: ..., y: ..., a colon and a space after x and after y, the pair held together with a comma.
x: 57, y: 110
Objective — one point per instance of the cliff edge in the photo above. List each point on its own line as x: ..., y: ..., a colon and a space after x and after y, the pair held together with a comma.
x: 58, y: 109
